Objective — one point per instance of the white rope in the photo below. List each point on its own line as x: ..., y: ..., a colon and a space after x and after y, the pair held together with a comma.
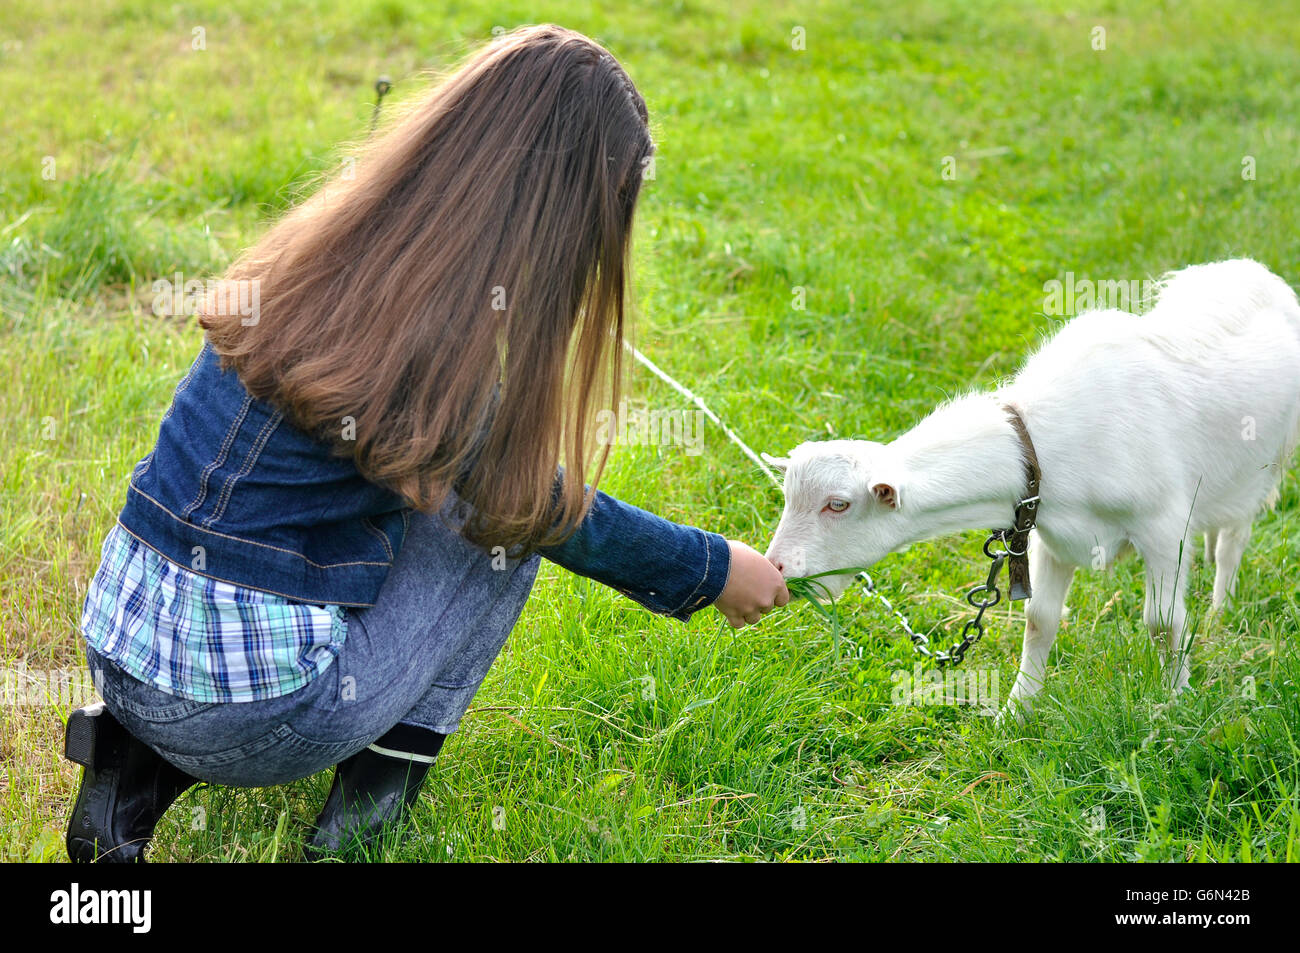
x: 693, y: 398
x: 869, y: 585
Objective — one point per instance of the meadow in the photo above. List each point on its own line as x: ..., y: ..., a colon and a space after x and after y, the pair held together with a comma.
x: 855, y: 211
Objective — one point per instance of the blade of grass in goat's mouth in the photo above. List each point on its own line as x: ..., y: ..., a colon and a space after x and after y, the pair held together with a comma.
x: 819, y: 597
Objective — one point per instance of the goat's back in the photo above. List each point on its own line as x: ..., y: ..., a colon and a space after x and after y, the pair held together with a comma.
x: 1197, y: 400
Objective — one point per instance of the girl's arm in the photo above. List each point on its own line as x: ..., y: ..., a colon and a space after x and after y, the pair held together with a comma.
x: 671, y: 569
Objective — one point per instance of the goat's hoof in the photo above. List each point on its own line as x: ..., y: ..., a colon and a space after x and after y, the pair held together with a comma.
x: 1014, y: 713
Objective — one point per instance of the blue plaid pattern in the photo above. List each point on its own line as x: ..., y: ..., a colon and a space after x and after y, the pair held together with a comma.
x: 200, y: 638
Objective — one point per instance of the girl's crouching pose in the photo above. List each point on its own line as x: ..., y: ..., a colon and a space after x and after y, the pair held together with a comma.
x: 350, y: 493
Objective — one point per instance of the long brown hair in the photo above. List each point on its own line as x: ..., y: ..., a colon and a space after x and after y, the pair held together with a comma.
x: 448, y: 309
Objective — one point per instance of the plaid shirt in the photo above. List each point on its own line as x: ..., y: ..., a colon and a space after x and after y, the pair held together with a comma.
x: 199, y: 638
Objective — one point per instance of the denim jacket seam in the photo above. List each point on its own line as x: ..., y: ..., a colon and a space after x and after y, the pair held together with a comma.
x: 220, y: 458
x: 248, y: 542
x: 373, y: 529
x: 232, y: 582
x: 731, y: 564
x: 186, y: 381
x: 181, y: 387
x: 250, y: 460
x: 708, y: 555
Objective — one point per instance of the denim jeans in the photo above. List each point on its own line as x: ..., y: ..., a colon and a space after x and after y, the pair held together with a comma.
x: 417, y: 656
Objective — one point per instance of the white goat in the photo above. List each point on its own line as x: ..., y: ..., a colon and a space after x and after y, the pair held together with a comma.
x: 1148, y: 429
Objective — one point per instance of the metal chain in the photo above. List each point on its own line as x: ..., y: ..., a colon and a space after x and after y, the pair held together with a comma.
x: 982, y: 598
x: 973, y: 630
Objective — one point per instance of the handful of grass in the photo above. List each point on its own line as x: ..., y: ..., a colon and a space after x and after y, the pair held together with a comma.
x: 820, y: 598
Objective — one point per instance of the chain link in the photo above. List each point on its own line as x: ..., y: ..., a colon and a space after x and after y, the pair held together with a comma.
x: 982, y: 598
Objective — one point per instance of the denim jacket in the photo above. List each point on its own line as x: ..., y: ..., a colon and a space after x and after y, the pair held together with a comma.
x: 232, y: 490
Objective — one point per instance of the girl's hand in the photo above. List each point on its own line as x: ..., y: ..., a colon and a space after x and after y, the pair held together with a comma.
x: 753, y: 589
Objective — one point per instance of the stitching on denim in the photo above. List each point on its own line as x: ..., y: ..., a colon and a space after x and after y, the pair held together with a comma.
x: 185, y: 381
x: 254, y: 452
x: 707, y: 557
x: 180, y: 389
x: 372, y: 528
x: 229, y: 756
x: 246, y: 542
x: 305, y: 745
x: 220, y: 458
x: 169, y: 714
x: 236, y: 582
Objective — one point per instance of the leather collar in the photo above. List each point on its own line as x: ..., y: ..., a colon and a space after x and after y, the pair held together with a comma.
x: 1016, y: 538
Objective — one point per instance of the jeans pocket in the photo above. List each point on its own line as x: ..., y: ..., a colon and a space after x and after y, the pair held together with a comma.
x: 123, y: 692
x: 277, y: 756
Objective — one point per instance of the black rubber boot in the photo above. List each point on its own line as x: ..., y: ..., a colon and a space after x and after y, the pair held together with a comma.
x: 373, y: 789
x: 125, y: 788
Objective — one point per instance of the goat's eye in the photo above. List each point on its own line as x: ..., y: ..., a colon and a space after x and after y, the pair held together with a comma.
x: 837, y: 506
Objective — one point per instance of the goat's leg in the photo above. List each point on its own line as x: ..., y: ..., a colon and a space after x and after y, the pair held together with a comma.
x: 1227, y: 557
x: 1211, y: 544
x: 1166, y: 612
x: 1051, y: 580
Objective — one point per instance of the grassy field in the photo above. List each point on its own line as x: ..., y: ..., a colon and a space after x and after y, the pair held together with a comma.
x: 915, y: 174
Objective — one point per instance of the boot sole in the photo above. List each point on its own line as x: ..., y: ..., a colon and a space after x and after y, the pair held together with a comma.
x: 89, y: 736
x: 92, y: 739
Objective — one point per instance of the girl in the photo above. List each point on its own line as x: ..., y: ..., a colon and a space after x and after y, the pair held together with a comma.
x: 350, y: 493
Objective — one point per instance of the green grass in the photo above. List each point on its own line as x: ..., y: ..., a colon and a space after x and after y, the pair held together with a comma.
x: 604, y: 732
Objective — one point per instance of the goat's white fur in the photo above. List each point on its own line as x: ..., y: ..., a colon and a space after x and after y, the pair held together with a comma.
x: 1148, y: 429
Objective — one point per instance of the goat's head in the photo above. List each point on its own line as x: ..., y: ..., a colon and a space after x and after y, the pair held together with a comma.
x: 843, y: 504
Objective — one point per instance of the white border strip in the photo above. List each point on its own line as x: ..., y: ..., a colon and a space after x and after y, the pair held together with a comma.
x: 404, y: 755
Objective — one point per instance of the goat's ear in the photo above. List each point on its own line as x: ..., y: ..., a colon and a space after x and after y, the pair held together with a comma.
x: 887, y: 493
x: 779, y: 464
